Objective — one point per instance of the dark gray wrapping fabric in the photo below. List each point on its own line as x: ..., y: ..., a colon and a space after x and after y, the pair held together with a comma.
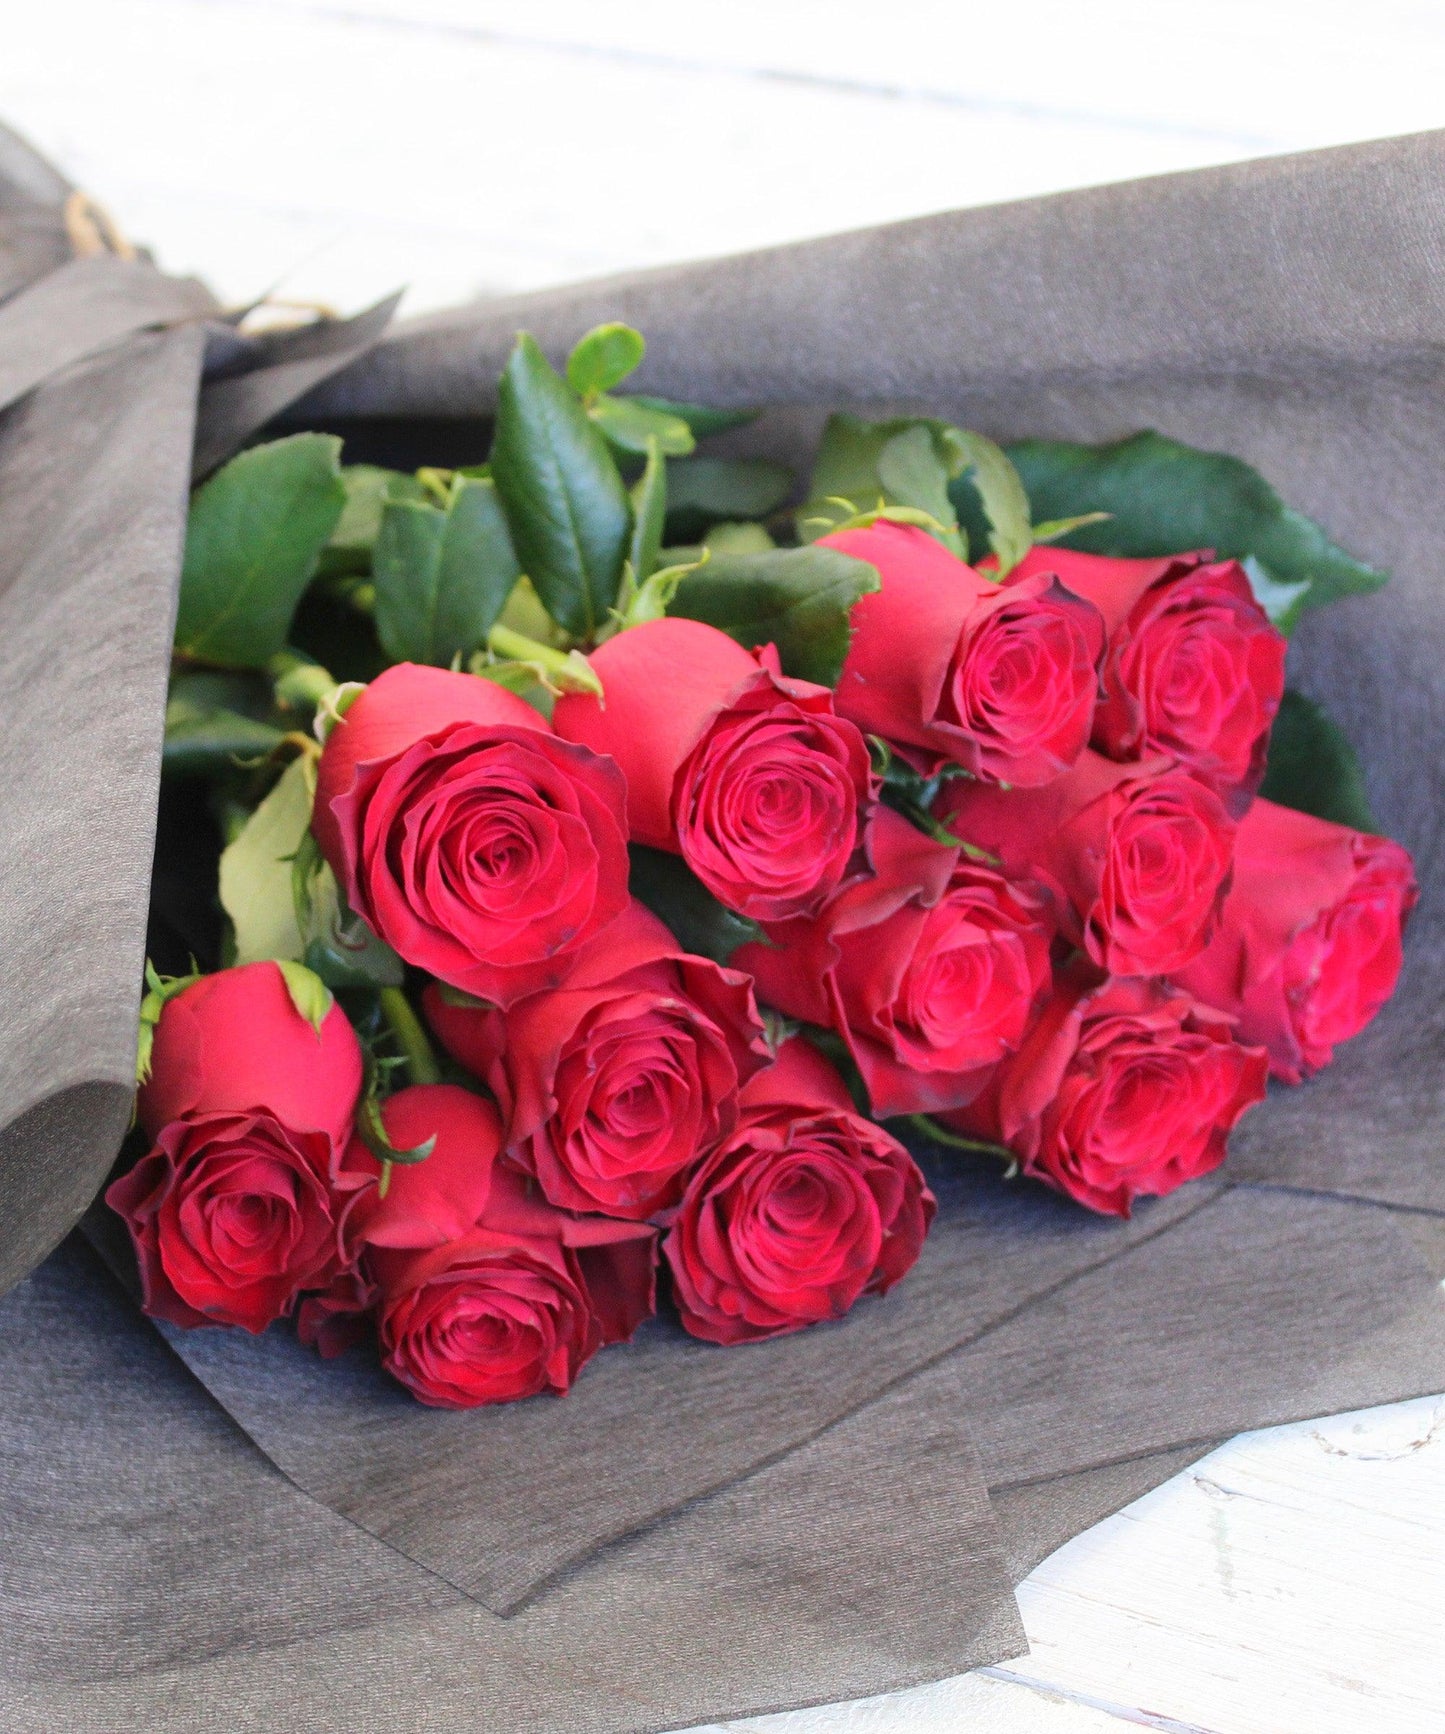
x: 695, y: 1534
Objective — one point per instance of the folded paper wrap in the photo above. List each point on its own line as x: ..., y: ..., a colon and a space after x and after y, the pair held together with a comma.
x: 691, y: 1534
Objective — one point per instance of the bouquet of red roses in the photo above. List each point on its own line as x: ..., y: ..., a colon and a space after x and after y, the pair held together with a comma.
x: 590, y: 854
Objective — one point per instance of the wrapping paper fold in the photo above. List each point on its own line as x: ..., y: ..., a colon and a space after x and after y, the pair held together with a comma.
x: 250, y: 1540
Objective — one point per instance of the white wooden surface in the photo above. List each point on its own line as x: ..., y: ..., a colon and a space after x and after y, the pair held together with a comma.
x: 1294, y: 1583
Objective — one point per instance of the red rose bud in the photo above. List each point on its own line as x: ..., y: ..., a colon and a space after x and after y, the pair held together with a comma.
x: 516, y: 1306
x: 235, y: 1042
x: 1309, y: 944
x: 613, y: 1085
x: 1194, y: 670
x: 748, y: 776
x: 1121, y: 1090
x: 232, y: 1215
x: 1138, y: 855
x: 947, y: 666
x: 481, y: 847
x: 803, y: 1208
x: 439, y: 1198
x: 929, y: 970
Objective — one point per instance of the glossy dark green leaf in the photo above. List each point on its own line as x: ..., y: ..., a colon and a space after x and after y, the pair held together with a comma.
x: 1313, y: 768
x: 565, y: 501
x: 862, y: 465
x: 799, y: 599
x: 678, y: 898
x: 649, y: 511
x: 256, y: 531
x: 603, y: 358
x: 368, y: 488
x: 701, y: 418
x: 631, y: 427
x: 703, y: 491
x: 1164, y: 497
x: 442, y: 577
x: 212, y: 720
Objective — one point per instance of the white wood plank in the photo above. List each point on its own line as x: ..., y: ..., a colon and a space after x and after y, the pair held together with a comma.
x: 342, y: 147
x: 1293, y: 1582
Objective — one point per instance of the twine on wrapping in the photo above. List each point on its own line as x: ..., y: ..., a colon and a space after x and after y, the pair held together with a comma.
x: 92, y: 230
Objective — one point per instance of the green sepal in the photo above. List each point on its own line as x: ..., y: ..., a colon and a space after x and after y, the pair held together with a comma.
x: 160, y: 991
x: 309, y: 994
x: 254, y: 538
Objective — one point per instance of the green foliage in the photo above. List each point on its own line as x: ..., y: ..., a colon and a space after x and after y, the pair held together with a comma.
x: 700, y: 418
x: 255, y: 872
x: 799, y: 599
x: 1001, y: 498
x: 862, y: 465
x: 703, y: 491
x: 631, y: 427
x: 1313, y: 768
x: 368, y: 488
x: 679, y: 899
x: 649, y: 512
x: 213, y: 720
x: 564, y: 498
x: 443, y: 575
x: 1164, y: 497
x: 603, y: 357
x: 256, y: 531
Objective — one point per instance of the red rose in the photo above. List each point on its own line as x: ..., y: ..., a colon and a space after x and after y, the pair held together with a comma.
x: 1308, y: 947
x: 232, y: 1215
x: 515, y: 1304
x: 803, y: 1208
x: 475, y: 842
x: 1138, y: 855
x: 948, y: 665
x: 751, y: 778
x: 929, y: 970
x: 1121, y: 1090
x: 234, y: 1041
x: 613, y: 1085
x: 1194, y: 670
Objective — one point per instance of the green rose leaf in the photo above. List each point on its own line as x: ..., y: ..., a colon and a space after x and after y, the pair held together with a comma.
x: 800, y: 599
x: 679, y: 899
x: 901, y: 463
x: 212, y: 720
x: 702, y: 419
x: 1164, y: 497
x: 1001, y: 498
x: 442, y: 576
x: 632, y: 427
x: 703, y: 491
x: 368, y: 488
x: 564, y: 499
x: 256, y: 532
x: 255, y: 872
x: 603, y: 358
x: 1313, y: 768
